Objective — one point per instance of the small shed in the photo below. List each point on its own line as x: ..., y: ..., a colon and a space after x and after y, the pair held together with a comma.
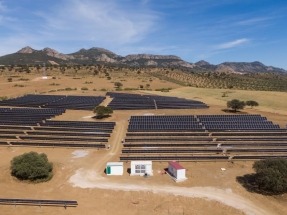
x: 115, y: 168
x: 141, y: 168
x: 176, y: 171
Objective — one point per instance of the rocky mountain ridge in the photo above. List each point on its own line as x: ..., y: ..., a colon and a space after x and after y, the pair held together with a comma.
x: 30, y: 56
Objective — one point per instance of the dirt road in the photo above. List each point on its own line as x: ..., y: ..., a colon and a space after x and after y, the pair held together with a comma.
x: 90, y: 179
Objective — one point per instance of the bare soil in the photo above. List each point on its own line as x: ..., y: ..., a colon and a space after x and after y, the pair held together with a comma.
x: 79, y: 175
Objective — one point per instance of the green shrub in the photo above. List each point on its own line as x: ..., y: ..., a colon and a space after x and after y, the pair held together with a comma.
x: 19, y: 85
x: 102, y: 112
x: 271, y: 175
x: 252, y: 103
x: 70, y: 89
x: 32, y: 166
x: 235, y: 104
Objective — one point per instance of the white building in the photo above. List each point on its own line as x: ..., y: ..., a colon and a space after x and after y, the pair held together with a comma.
x: 176, y: 171
x: 115, y: 168
x: 141, y: 168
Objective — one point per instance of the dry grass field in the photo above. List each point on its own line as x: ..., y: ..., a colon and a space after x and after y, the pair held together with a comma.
x: 79, y: 174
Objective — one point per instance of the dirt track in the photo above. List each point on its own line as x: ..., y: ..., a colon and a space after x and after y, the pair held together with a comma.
x: 89, y: 179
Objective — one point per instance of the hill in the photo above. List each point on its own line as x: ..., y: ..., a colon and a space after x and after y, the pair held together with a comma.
x: 92, y: 56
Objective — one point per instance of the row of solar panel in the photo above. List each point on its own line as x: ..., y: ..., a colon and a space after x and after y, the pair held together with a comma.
x: 168, y: 139
x: 205, y: 144
x: 129, y: 134
x: 196, y: 151
x: 198, y: 158
x: 185, y: 129
x: 214, y: 134
x: 55, y: 144
x: 222, y: 140
x: 39, y: 202
x: 163, y: 117
x: 55, y: 101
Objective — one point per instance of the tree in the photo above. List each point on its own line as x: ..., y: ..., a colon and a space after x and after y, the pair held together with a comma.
x: 252, y: 103
x: 102, y: 112
x: 235, y: 104
x: 31, y: 166
x: 271, y: 175
x: 118, y: 84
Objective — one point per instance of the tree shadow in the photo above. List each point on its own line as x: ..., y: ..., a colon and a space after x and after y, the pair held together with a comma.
x: 249, y: 183
x: 226, y: 110
x: 101, y: 117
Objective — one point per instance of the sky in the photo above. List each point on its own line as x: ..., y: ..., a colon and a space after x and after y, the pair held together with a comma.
x: 212, y: 30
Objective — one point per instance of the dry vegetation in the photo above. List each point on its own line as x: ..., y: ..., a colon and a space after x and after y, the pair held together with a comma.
x: 103, y: 201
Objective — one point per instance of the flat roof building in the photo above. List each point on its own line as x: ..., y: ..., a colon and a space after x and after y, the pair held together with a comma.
x: 115, y: 168
x: 141, y: 168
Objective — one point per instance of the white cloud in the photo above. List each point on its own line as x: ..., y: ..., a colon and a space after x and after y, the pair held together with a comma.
x: 99, y: 21
x: 232, y: 44
x: 254, y: 21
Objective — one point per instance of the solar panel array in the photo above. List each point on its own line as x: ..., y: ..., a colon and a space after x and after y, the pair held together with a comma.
x: 27, y: 116
x: 31, y: 127
x: 126, y: 101
x: 55, y: 101
x: 164, y: 123
x: 235, y: 122
x: 39, y: 202
x: 186, y: 138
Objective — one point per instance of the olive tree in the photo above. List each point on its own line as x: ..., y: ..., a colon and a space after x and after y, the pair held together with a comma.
x: 102, y: 112
x: 32, y: 166
x: 235, y: 104
x: 118, y: 85
x: 252, y: 103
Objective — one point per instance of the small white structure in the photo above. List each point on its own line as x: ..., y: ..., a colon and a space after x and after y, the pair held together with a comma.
x: 141, y: 168
x: 176, y: 171
x: 115, y: 168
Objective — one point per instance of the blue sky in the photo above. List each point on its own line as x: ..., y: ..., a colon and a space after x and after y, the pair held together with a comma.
x: 213, y: 30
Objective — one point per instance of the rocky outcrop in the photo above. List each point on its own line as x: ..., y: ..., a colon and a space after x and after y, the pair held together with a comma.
x: 105, y: 58
x: 149, y: 57
x: 56, y: 54
x: 26, y: 50
x: 202, y: 63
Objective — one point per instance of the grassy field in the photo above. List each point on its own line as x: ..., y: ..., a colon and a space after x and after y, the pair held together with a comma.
x: 271, y: 102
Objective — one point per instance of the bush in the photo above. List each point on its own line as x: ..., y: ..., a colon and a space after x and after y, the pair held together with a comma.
x: 252, y: 103
x: 235, y: 104
x: 102, y: 112
x: 271, y: 175
x: 118, y: 85
x: 32, y: 166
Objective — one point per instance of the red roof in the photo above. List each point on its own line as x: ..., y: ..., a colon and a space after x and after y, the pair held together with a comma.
x: 175, y: 165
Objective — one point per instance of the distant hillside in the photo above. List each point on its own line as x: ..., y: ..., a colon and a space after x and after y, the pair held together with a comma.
x: 92, y: 56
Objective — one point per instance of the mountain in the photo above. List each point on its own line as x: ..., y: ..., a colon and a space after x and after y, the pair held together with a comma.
x: 30, y: 56
x: 253, y: 67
